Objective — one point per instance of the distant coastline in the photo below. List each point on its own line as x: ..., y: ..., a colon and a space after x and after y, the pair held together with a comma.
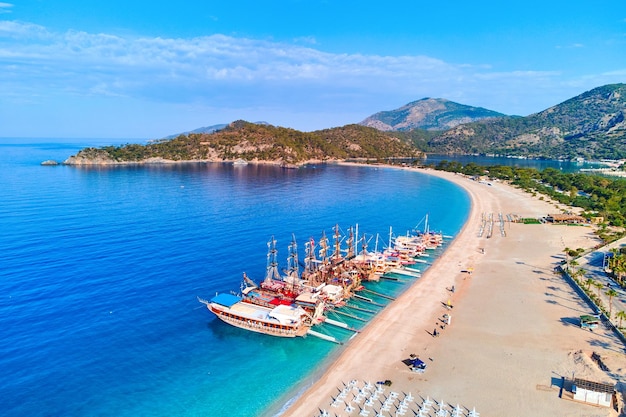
x: 72, y: 161
x: 605, y: 171
x: 428, y: 159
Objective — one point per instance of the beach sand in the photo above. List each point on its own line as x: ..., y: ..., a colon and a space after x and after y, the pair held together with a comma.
x: 514, y: 324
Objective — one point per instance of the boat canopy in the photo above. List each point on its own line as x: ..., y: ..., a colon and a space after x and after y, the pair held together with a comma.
x: 225, y: 299
x: 333, y: 292
x: 308, y: 298
x: 287, y: 314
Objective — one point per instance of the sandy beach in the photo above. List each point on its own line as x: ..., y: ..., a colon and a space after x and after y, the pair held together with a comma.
x: 513, y: 333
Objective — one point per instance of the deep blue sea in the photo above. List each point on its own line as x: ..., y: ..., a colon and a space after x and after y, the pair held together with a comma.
x: 100, y: 269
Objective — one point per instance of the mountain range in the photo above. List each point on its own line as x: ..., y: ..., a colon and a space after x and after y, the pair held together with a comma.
x: 591, y: 125
x: 428, y: 114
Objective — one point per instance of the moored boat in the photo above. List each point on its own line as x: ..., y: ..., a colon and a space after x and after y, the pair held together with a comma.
x: 288, y: 304
x: 282, y: 320
x: 240, y: 162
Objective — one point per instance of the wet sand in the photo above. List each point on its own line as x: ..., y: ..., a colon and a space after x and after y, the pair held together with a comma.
x: 513, y: 332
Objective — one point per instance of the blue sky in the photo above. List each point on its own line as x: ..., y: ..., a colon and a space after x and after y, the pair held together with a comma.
x: 139, y: 69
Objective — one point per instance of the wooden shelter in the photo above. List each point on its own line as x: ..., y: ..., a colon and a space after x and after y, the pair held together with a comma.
x: 565, y: 218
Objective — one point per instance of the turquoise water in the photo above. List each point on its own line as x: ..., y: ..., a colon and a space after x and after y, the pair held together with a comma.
x: 101, y: 268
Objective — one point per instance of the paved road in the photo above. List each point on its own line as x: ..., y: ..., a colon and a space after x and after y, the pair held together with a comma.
x: 593, y: 263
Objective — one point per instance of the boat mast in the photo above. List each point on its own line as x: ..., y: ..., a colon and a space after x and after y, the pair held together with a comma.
x: 364, y: 242
x: 293, y: 269
x: 309, y: 260
x: 323, y: 269
x: 324, y: 248
x: 337, y: 252
x: 350, y: 243
x: 272, y: 261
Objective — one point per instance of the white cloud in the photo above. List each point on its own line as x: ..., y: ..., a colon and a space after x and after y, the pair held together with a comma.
x: 146, y: 63
x: 5, y: 7
x: 221, y: 71
x: 22, y: 31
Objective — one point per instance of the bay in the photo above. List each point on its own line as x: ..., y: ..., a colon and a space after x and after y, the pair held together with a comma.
x: 101, y: 267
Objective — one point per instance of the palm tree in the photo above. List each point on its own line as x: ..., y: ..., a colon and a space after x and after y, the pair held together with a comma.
x: 589, y: 283
x: 619, y: 270
x: 612, y: 259
x: 621, y: 315
x: 567, y: 250
x: 579, y: 273
x: 598, y: 286
x: 611, y: 293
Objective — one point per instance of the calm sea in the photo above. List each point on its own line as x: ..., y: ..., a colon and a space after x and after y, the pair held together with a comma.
x: 540, y: 164
x: 100, y: 269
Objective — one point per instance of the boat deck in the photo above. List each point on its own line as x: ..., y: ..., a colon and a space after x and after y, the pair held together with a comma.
x: 250, y: 310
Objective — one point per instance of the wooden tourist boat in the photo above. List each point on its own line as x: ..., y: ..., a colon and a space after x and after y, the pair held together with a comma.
x: 282, y: 320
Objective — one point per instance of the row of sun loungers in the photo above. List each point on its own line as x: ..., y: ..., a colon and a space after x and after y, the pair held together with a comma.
x: 372, y: 400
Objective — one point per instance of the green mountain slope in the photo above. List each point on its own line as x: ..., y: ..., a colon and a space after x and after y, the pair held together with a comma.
x: 255, y: 142
x: 591, y: 125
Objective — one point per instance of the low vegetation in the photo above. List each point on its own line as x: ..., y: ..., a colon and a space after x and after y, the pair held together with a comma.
x: 601, y: 198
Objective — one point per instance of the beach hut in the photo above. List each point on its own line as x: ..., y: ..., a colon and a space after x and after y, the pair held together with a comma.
x: 595, y: 393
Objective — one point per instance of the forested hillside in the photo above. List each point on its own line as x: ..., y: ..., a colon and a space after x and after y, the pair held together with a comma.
x: 255, y: 142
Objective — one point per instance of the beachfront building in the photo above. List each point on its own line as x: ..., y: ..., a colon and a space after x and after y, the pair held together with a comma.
x: 565, y: 218
x: 595, y: 393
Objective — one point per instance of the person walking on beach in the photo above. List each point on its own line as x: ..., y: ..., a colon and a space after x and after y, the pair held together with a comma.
x: 435, y: 334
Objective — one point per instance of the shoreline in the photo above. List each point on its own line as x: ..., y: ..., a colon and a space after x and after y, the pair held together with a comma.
x: 473, y: 361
